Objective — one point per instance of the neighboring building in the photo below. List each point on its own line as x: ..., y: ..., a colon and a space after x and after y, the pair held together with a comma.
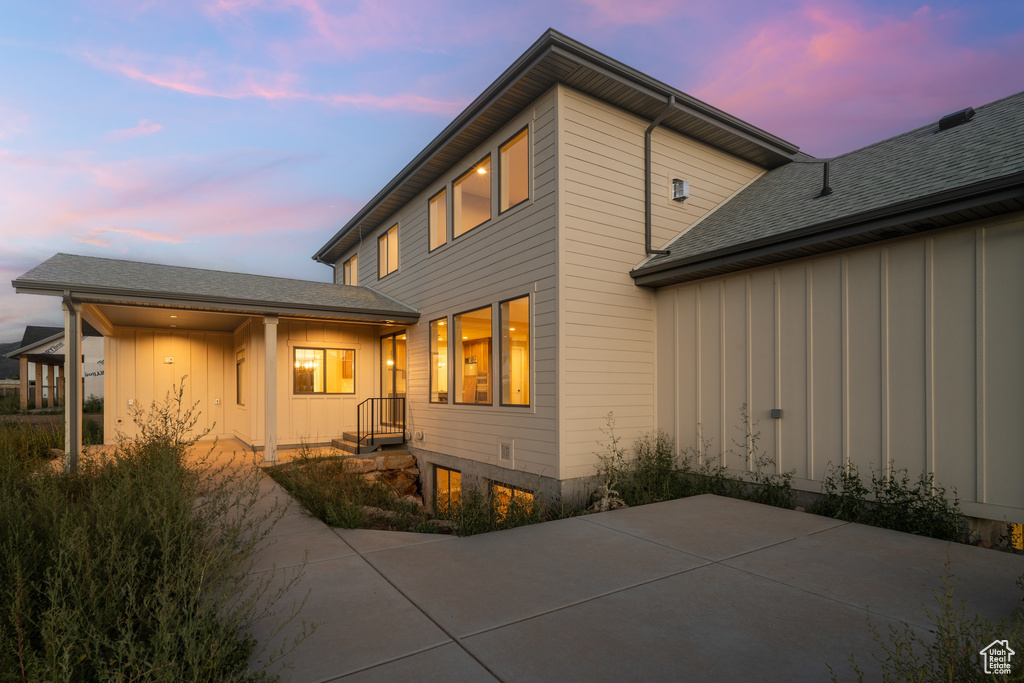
x: 502, y: 288
x: 40, y: 358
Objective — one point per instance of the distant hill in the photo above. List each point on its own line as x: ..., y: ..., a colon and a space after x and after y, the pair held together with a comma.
x: 8, y: 367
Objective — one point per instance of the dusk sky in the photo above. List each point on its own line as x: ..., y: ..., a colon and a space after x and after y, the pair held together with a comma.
x: 242, y: 134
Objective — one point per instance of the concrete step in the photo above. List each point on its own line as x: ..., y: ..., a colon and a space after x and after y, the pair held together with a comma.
x: 349, y: 444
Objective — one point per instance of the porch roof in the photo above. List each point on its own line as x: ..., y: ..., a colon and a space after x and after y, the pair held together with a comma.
x: 111, y: 281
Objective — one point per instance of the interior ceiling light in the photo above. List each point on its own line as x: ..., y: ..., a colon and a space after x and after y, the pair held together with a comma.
x: 482, y: 170
x: 174, y: 316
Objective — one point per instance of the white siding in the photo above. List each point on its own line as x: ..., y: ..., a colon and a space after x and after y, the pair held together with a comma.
x: 511, y: 255
x: 903, y: 355
x: 607, y: 326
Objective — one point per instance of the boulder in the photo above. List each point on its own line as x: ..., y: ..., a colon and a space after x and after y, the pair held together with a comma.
x: 56, y: 453
x: 359, y: 464
x: 395, y: 462
x: 371, y: 478
x: 400, y: 481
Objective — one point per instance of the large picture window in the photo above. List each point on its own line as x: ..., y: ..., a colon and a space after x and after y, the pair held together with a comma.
x: 350, y: 272
x: 324, y: 371
x: 439, y: 361
x: 471, y: 198
x: 438, y: 219
x: 515, y: 352
x: 387, y: 252
x: 514, y: 170
x: 473, y: 357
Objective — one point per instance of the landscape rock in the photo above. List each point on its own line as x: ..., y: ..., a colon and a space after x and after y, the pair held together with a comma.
x: 400, y: 481
x: 360, y: 464
x: 413, y: 500
x: 56, y: 453
x: 605, y: 499
x: 395, y: 462
x: 372, y: 478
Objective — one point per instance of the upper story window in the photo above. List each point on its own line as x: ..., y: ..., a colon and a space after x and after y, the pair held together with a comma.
x: 437, y: 219
x: 471, y: 198
x: 514, y: 170
x: 350, y: 272
x: 387, y: 252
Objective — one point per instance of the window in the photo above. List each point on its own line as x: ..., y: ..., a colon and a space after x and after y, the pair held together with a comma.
x: 387, y: 252
x: 511, y: 499
x: 438, y: 219
x: 473, y: 357
x: 514, y: 170
x: 447, y: 487
x: 325, y: 371
x: 515, y: 352
x: 471, y: 198
x: 439, y: 361
x: 240, y: 377
x: 350, y: 272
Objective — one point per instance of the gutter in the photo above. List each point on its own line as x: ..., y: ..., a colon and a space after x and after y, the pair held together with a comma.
x: 921, y: 208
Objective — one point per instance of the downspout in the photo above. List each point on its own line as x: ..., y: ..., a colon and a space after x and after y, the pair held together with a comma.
x: 647, y: 176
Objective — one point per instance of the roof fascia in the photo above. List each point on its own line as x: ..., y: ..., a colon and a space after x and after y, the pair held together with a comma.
x: 553, y: 42
x: 1001, y: 189
x: 123, y: 297
x: 25, y: 349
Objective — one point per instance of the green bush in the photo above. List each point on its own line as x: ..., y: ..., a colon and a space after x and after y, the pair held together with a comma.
x: 649, y: 476
x: 480, y: 512
x: 10, y: 404
x: 93, y: 404
x: 133, y: 569
x: 892, y: 502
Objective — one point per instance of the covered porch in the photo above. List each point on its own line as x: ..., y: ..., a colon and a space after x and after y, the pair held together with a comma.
x: 272, y: 362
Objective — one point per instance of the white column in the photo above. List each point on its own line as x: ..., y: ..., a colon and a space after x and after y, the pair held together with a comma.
x: 73, y: 384
x: 270, y: 389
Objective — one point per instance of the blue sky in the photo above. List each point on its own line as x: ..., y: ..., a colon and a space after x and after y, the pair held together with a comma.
x: 241, y: 134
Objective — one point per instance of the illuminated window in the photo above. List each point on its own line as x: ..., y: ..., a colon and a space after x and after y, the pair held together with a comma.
x: 473, y: 356
x: 514, y: 170
x: 471, y: 198
x: 324, y: 371
x: 506, y: 498
x: 438, y: 219
x: 240, y: 377
x: 447, y: 487
x: 515, y: 352
x: 387, y: 252
x: 439, y: 361
x: 350, y: 272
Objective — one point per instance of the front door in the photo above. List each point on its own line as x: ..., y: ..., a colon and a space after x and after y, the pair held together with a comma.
x: 392, y: 374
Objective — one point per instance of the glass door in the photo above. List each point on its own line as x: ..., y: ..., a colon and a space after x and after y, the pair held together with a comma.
x: 392, y: 374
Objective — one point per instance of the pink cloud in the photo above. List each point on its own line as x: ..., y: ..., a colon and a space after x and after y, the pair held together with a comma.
x: 94, y: 236
x: 832, y: 79
x: 234, y: 83
x: 144, y: 127
x: 635, y: 12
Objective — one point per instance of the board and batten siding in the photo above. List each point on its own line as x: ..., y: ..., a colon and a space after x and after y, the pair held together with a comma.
x: 607, y: 323
x: 139, y: 372
x: 509, y: 256
x: 908, y: 354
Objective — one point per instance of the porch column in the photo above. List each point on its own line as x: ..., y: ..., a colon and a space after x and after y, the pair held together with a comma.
x: 60, y: 384
x: 23, y: 375
x: 39, y: 385
x: 270, y: 389
x: 73, y: 385
x: 49, y: 387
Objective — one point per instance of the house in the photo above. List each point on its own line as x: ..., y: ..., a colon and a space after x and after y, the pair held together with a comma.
x: 43, y: 347
x: 585, y: 240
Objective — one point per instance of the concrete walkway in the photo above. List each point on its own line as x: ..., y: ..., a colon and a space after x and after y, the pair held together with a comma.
x: 693, y: 589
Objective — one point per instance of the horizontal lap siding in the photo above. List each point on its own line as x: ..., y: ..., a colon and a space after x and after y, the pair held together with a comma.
x: 905, y: 355
x: 513, y: 254
x: 606, y: 322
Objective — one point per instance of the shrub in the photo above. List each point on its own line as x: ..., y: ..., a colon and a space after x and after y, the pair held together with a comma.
x: 136, y: 567
x: 701, y: 474
x: 769, y: 488
x: 93, y: 404
x: 649, y: 476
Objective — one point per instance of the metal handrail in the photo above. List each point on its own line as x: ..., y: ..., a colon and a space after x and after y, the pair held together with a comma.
x: 379, y: 417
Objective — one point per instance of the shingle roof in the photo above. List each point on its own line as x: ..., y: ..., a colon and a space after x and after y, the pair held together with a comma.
x: 102, y: 279
x: 918, y: 166
x: 37, y: 333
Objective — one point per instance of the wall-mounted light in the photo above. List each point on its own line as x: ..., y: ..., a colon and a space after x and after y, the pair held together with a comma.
x: 680, y: 190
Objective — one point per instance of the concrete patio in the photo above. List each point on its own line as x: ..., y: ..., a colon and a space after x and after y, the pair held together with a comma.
x: 692, y: 589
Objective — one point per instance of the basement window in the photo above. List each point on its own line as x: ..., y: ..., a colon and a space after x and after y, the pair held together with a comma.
x: 447, y: 487
x: 511, y: 499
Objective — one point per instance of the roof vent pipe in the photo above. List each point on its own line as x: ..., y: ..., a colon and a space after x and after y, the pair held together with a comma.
x: 825, y: 189
x: 647, y: 176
